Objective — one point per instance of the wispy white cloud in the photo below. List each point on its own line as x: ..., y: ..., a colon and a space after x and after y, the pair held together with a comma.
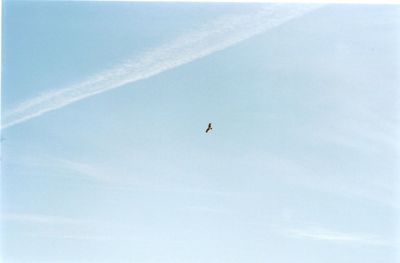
x: 87, y: 237
x: 212, y: 37
x: 262, y: 1
x: 204, y: 209
x: 70, y: 167
x: 83, y: 169
x: 61, y: 227
x: 328, y: 235
x: 27, y: 218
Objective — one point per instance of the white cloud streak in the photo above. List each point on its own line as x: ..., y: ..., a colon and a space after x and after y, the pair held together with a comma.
x: 87, y: 237
x: 323, y: 234
x: 212, y: 37
x: 59, y: 227
x: 63, y: 166
x: 40, y: 219
x: 84, y: 169
x: 263, y: 1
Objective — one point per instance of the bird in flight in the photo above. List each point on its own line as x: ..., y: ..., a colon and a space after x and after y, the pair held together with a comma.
x: 209, y: 128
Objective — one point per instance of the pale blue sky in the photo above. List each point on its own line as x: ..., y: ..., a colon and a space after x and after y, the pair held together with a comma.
x: 302, y: 164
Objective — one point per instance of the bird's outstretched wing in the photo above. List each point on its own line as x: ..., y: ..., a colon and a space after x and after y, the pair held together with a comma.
x: 209, y: 128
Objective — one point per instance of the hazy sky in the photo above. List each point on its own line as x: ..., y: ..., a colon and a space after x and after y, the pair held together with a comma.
x: 104, y: 155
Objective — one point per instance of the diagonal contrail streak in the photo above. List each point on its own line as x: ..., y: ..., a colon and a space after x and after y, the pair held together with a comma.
x: 212, y: 37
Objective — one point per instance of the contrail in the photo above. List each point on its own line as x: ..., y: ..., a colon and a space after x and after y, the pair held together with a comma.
x: 212, y: 37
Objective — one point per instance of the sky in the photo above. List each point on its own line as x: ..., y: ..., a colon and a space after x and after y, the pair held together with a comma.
x: 104, y: 157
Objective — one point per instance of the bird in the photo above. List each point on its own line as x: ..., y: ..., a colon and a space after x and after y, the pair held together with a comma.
x: 209, y: 128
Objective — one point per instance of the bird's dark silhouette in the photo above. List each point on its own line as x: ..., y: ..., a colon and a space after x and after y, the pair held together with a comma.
x: 209, y: 128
